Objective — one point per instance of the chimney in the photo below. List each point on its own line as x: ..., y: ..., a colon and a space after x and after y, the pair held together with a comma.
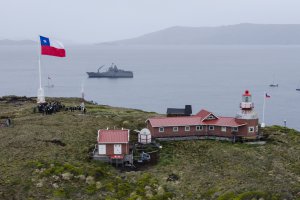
x: 188, y: 110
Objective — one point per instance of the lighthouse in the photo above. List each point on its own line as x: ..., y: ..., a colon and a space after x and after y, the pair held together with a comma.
x: 248, y: 116
x: 247, y: 107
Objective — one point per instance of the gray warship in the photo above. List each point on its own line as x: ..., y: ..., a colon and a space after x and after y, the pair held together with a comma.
x: 112, y: 72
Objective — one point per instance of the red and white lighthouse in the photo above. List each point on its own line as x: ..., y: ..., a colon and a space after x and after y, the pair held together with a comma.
x: 247, y: 107
x: 248, y: 116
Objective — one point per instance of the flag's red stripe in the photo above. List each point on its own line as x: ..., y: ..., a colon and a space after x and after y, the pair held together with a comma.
x: 52, y: 51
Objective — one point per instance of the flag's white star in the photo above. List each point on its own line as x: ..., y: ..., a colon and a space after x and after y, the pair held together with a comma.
x: 45, y: 41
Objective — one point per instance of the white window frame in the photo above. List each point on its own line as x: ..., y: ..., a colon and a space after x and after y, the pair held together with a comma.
x: 161, y: 129
x: 199, y: 128
x: 235, y: 129
x: 175, y: 129
x: 117, y: 147
x: 187, y: 128
x: 223, y: 128
x: 103, y: 148
x: 211, y: 128
x: 251, y: 127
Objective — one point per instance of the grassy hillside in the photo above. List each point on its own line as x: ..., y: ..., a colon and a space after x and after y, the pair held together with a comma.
x: 33, y: 166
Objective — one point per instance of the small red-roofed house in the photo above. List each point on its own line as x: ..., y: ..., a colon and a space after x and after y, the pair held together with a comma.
x: 113, y: 144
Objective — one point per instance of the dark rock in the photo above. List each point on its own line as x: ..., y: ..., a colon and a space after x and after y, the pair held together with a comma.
x: 173, y: 177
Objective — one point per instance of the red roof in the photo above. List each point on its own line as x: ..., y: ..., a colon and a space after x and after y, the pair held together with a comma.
x: 247, y: 93
x: 223, y: 121
x: 113, y: 136
x: 194, y: 120
x: 203, y: 113
x: 174, y: 121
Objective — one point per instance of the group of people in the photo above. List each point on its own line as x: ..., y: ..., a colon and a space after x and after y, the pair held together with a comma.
x: 74, y: 108
x: 53, y: 107
x: 50, y: 108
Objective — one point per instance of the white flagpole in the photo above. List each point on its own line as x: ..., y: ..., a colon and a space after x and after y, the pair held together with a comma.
x: 40, y: 72
x: 82, y: 96
x: 264, y: 106
x: 82, y: 91
x: 40, y: 95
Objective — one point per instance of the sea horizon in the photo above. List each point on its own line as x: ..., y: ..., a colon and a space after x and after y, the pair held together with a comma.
x: 211, y: 77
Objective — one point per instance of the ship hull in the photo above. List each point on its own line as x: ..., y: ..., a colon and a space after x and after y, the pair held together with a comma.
x: 123, y: 74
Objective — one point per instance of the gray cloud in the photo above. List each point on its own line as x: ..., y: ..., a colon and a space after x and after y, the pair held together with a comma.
x: 100, y: 21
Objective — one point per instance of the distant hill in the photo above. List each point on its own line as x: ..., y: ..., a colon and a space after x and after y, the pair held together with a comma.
x: 240, y: 34
x: 17, y: 42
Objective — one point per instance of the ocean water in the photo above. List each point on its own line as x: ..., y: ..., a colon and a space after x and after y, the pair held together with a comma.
x: 209, y: 77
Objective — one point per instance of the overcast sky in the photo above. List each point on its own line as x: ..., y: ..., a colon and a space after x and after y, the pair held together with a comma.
x: 94, y: 21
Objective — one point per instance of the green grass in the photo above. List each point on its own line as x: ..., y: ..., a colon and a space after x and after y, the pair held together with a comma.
x: 32, y: 168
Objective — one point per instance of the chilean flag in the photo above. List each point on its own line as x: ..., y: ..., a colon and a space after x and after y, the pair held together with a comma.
x: 52, y: 47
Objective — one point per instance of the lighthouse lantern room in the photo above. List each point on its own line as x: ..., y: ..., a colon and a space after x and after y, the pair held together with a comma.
x: 247, y: 103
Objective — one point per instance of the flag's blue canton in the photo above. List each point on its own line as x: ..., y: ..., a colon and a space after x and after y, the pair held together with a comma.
x: 44, y: 41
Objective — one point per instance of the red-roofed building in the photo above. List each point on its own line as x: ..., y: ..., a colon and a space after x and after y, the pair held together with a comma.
x: 206, y: 123
x: 113, y: 144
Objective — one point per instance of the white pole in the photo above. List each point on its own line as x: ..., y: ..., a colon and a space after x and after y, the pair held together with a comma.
x: 40, y: 94
x: 82, y: 96
x: 40, y: 72
x: 264, y: 106
x: 82, y: 91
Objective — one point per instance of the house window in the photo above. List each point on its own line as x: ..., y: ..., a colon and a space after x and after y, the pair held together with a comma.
x: 223, y: 128
x: 187, y: 128
x: 211, y: 128
x: 211, y: 117
x: 117, y: 149
x: 175, y: 129
x: 161, y: 129
x: 235, y: 129
x: 102, y: 149
x: 256, y: 128
x: 251, y: 129
x: 199, y: 128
